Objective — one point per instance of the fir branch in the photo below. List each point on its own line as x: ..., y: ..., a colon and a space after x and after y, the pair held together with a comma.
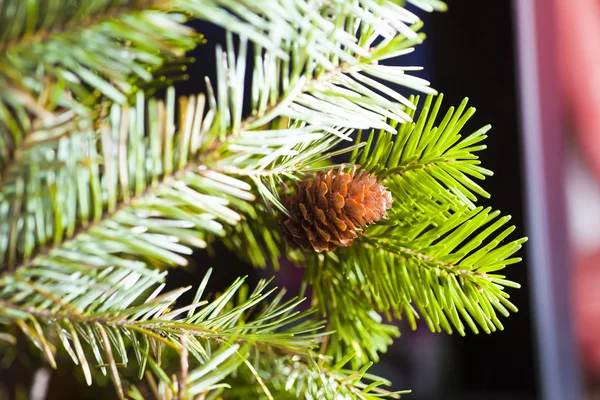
x: 257, y: 238
x: 199, y: 382
x: 444, y: 272
x: 425, y: 158
x: 70, y: 21
x: 307, y: 378
x: 430, y: 257
x: 87, y: 218
x: 203, y: 324
x: 440, y: 273
x: 359, y: 327
x: 51, y: 78
x: 158, y: 326
x: 228, y: 120
x: 86, y: 258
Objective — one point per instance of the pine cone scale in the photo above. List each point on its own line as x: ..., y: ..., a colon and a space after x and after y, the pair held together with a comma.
x: 331, y: 210
x: 338, y: 201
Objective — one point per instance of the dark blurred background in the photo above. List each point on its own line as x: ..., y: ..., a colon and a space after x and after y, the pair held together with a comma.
x: 469, y: 52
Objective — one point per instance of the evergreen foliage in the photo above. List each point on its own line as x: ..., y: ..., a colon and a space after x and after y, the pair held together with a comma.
x: 104, y: 187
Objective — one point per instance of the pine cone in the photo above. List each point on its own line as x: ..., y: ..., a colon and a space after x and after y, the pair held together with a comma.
x: 330, y: 210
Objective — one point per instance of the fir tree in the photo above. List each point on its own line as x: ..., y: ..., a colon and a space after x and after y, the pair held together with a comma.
x: 104, y: 188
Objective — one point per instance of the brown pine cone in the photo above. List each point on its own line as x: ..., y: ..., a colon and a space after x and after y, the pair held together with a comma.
x: 330, y: 210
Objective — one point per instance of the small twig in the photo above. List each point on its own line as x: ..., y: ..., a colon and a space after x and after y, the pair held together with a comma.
x: 152, y: 385
x: 428, y: 261
x: 184, y: 366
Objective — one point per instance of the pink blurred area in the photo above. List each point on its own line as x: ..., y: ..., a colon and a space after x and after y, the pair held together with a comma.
x: 578, y: 50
